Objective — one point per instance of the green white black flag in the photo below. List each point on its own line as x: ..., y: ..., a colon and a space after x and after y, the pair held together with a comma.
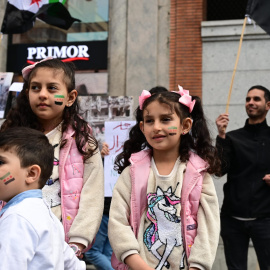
x: 20, y: 15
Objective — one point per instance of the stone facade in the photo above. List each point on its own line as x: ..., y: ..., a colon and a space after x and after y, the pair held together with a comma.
x: 220, y: 41
x: 220, y: 46
x: 139, y: 34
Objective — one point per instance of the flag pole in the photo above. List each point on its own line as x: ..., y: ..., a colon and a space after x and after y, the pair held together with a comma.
x: 235, y: 66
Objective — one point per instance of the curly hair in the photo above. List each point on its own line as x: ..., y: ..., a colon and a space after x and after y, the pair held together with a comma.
x: 198, y: 140
x: 22, y: 114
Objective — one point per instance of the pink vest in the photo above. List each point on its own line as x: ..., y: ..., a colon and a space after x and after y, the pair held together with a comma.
x: 190, y: 196
x: 71, y: 168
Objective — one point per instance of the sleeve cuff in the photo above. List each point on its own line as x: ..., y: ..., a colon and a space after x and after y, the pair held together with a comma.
x: 80, y: 240
x: 127, y: 253
x: 196, y: 265
x: 221, y: 141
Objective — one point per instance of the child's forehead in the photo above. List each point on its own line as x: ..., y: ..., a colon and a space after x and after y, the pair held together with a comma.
x: 53, y: 73
x: 8, y: 149
x: 157, y: 107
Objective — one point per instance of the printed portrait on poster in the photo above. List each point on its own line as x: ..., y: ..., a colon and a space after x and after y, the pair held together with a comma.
x: 100, y: 108
x: 5, y: 82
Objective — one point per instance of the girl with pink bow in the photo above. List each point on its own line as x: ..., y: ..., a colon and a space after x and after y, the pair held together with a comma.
x: 169, y: 150
x: 48, y: 102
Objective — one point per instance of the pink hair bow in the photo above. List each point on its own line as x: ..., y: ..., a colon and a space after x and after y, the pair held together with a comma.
x: 185, y: 98
x: 144, y: 95
x: 26, y: 71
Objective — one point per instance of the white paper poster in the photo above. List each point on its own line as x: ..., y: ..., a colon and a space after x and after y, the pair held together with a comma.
x: 5, y: 82
x: 116, y: 133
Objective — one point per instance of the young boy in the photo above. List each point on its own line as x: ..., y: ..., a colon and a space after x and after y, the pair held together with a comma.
x: 31, y: 237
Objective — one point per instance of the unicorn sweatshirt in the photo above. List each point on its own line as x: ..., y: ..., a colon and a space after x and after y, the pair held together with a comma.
x: 160, y: 227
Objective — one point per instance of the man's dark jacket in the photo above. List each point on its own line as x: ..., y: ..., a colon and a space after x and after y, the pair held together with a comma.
x: 245, y: 157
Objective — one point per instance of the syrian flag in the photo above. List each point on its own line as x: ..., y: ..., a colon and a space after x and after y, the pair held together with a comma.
x: 259, y: 11
x: 20, y: 15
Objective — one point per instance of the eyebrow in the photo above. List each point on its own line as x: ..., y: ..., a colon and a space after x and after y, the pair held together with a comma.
x: 254, y: 97
x: 46, y: 83
x: 162, y: 115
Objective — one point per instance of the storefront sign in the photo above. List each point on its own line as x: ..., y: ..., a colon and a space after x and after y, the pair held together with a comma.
x: 86, y: 55
x: 71, y: 52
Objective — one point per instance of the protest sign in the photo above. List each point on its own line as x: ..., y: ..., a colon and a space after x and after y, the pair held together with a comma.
x: 116, y: 133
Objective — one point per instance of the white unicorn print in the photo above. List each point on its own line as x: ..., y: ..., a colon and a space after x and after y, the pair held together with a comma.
x: 165, y: 228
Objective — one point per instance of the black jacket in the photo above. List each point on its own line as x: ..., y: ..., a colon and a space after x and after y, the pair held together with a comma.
x: 245, y: 157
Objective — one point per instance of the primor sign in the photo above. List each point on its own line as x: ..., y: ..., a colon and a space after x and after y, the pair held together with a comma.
x: 85, y: 55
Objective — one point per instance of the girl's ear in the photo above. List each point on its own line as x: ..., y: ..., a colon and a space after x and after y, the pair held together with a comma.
x: 72, y: 97
x: 141, y: 127
x: 187, y: 125
x: 33, y: 174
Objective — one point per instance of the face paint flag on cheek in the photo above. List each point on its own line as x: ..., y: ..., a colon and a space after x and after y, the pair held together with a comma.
x: 172, y: 130
x: 7, y: 178
x: 59, y: 99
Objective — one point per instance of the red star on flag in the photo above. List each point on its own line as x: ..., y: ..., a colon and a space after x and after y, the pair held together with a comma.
x: 35, y: 2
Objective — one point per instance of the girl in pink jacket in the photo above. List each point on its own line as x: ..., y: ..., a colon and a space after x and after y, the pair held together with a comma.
x: 170, y: 150
x: 48, y: 102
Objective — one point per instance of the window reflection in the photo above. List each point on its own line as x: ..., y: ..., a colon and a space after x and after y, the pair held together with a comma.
x: 94, y: 16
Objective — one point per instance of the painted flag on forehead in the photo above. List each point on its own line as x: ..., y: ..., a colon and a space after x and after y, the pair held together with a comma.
x: 20, y: 15
x: 259, y: 11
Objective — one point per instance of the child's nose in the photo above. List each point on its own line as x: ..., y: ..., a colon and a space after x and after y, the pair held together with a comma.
x: 157, y: 125
x: 43, y: 92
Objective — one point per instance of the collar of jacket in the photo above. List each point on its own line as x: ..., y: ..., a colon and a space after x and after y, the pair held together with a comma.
x: 256, y: 127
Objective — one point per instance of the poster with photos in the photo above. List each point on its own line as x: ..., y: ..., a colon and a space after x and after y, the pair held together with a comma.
x: 5, y: 82
x: 100, y: 108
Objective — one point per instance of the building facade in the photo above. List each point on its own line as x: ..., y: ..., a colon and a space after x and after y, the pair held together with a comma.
x: 191, y: 43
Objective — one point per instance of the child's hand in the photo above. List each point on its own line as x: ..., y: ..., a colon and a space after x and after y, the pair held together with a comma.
x: 267, y: 179
x: 105, y: 150
x: 81, y: 247
x: 222, y: 122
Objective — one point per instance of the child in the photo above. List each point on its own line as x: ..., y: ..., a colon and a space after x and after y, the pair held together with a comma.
x: 178, y: 226
x: 31, y: 237
x: 75, y: 189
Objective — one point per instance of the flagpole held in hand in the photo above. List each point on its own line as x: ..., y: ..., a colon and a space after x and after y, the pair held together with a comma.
x: 259, y: 12
x: 235, y: 66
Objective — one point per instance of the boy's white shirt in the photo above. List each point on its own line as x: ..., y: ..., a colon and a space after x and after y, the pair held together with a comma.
x: 32, y: 238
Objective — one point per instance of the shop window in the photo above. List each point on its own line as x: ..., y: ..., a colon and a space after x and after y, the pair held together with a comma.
x: 94, y: 16
x: 226, y: 10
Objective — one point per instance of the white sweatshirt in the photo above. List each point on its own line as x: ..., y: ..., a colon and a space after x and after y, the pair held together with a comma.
x: 32, y: 238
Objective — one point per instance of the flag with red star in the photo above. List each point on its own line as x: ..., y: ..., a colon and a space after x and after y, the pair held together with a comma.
x: 20, y: 15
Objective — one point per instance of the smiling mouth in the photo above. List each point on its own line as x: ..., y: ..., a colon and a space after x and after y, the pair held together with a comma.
x: 158, y: 137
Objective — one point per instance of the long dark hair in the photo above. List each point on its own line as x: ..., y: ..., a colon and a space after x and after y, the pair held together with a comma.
x: 22, y: 114
x: 198, y: 140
